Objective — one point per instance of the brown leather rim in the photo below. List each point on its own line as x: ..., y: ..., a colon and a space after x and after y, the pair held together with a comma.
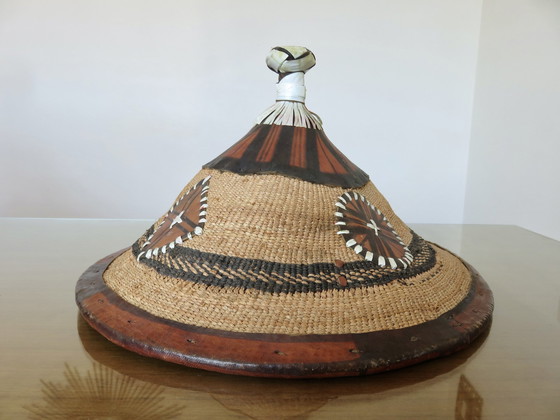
x: 277, y: 355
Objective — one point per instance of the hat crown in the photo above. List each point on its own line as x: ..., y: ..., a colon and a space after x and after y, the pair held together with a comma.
x: 288, y: 138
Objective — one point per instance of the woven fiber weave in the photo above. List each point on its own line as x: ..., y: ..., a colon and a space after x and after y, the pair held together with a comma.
x: 277, y: 218
x: 389, y: 306
x: 225, y: 271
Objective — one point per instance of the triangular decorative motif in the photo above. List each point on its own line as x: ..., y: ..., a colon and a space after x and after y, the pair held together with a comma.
x: 185, y: 219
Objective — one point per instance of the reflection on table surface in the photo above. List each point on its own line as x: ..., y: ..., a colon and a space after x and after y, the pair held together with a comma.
x: 125, y: 385
x: 53, y: 365
x: 469, y: 402
x: 100, y: 392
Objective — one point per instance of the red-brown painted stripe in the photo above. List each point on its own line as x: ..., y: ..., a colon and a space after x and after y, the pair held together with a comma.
x: 236, y: 151
x: 341, y: 157
x: 328, y: 163
x: 269, y: 145
x: 297, y: 156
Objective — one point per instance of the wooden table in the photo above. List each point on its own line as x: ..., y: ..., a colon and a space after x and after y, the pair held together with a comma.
x: 53, y: 365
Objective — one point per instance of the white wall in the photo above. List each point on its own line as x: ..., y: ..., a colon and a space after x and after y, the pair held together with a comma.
x: 107, y: 108
x: 514, y: 164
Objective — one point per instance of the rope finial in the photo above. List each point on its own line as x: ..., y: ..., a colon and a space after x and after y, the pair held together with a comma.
x: 290, y: 63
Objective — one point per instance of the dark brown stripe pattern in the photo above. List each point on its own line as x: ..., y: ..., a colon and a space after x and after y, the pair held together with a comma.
x: 299, y: 152
x: 270, y: 277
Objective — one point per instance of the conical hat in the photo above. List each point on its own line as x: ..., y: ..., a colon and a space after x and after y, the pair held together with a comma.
x: 281, y: 258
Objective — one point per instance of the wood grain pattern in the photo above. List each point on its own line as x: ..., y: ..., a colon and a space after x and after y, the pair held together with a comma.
x: 279, y: 355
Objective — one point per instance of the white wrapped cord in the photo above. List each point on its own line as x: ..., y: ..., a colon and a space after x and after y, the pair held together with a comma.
x: 291, y: 88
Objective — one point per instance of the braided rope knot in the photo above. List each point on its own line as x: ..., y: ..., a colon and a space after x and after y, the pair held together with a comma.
x: 290, y: 60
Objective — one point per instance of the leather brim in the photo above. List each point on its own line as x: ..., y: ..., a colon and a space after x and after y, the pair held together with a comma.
x: 280, y: 355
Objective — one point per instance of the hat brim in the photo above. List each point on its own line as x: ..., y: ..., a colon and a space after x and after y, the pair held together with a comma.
x: 280, y: 355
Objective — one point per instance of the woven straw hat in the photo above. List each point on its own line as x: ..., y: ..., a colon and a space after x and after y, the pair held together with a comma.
x: 281, y: 258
